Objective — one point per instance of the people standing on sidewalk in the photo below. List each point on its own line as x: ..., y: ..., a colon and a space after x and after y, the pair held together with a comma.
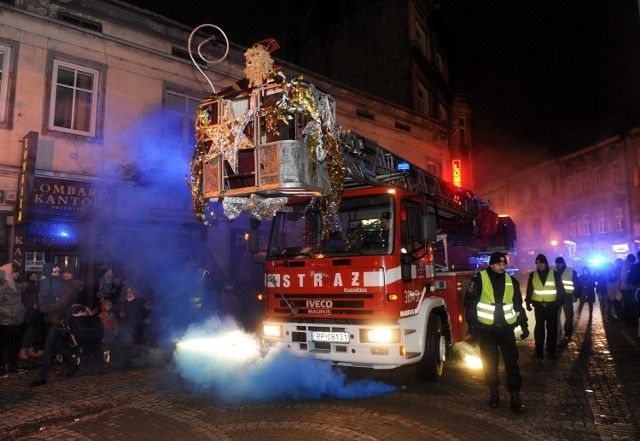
x: 613, y: 290
x: 546, y: 292
x: 32, y: 318
x: 626, y: 288
x: 573, y: 289
x: 493, y: 307
x: 600, y: 277
x: 54, y: 314
x: 588, y: 291
x: 634, y: 304
x: 11, y: 317
x: 132, y: 317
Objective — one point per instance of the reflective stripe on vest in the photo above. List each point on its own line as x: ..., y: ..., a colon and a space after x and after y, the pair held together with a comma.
x: 544, y: 293
x: 567, y: 280
x: 487, y: 305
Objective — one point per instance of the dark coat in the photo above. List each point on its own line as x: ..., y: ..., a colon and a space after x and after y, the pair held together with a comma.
x: 61, y: 309
x: 50, y: 285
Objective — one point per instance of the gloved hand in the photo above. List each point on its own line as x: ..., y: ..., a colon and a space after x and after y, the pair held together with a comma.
x: 525, y: 331
x: 529, y: 308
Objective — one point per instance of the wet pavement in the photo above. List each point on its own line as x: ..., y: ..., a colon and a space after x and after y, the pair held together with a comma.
x: 591, y: 392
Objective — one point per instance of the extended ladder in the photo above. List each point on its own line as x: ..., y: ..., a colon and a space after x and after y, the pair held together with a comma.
x: 369, y: 164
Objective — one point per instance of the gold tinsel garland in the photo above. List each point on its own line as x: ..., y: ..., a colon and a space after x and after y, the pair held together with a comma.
x: 324, y: 144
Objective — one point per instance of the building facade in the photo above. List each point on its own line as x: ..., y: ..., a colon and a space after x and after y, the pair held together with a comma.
x: 97, y: 110
x: 583, y: 206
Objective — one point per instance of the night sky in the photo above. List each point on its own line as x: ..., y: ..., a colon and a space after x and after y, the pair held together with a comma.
x: 547, y: 77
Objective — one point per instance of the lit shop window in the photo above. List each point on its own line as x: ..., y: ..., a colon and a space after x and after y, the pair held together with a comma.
x: 74, y: 99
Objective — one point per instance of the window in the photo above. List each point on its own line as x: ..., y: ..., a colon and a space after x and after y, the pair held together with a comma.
x: 74, y: 99
x: 571, y: 185
x: 618, y: 215
x: 5, y: 60
x: 180, y: 118
x: 443, y: 114
x: 434, y: 168
x: 463, y: 131
x: 584, y: 182
x: 520, y: 195
x: 534, y: 191
x: 601, y: 222
x: 422, y: 100
x: 597, y: 176
x: 422, y: 41
x: 554, y: 184
x: 586, y: 224
x: 615, y: 172
x: 439, y: 62
x: 573, y: 226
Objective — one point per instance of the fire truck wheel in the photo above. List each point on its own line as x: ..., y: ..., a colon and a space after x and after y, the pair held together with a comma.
x: 432, y: 363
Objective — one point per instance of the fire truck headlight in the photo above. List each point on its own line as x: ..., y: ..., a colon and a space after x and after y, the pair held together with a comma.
x: 380, y: 335
x: 272, y: 331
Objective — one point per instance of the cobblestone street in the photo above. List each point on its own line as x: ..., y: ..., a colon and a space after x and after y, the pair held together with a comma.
x: 591, y: 392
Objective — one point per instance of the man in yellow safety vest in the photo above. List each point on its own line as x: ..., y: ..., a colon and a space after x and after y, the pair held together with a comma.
x: 493, y: 307
x: 546, y: 292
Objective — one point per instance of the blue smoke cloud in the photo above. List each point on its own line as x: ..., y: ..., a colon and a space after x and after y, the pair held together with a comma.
x: 219, y: 358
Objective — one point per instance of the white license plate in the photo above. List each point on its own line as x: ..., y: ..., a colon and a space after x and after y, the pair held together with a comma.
x: 330, y: 337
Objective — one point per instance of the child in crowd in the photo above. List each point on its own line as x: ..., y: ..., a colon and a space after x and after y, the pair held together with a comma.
x: 109, y: 321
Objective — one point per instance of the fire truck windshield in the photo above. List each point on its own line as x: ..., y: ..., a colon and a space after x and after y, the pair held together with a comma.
x: 363, y: 226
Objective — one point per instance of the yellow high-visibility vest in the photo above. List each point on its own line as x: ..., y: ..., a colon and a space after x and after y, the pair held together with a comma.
x: 487, y: 305
x: 547, y: 292
x: 567, y: 280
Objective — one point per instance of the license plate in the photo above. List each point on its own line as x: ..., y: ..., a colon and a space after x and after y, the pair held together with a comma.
x: 330, y: 337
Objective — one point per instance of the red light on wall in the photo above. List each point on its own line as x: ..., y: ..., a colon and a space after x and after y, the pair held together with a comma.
x: 456, y: 165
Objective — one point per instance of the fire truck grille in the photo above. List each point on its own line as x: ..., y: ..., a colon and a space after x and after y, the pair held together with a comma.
x: 360, y: 304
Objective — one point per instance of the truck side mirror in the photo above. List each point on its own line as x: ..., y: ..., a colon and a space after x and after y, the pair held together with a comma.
x: 428, y: 228
x: 405, y: 266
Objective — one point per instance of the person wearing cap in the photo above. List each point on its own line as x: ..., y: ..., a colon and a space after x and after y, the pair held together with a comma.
x: 493, y: 308
x: 546, y: 292
x: 54, y: 315
x: 573, y: 289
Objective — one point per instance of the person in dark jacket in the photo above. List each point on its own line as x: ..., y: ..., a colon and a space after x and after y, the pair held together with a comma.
x: 50, y: 284
x: 11, y: 316
x: 588, y: 291
x: 573, y: 289
x: 493, y: 308
x: 545, y: 291
x: 32, y: 318
x: 132, y: 316
x: 54, y: 313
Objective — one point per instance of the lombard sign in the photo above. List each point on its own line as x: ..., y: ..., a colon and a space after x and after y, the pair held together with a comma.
x: 56, y: 197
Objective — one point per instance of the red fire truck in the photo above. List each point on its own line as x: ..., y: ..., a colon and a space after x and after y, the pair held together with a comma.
x: 377, y: 280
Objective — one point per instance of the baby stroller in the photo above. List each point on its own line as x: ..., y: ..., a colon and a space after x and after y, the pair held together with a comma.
x: 84, y: 333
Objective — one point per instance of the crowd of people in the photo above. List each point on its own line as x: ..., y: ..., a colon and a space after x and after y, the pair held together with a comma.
x: 34, y: 316
x: 494, y: 308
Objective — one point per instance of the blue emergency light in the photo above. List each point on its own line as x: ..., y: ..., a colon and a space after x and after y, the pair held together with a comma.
x: 403, y: 166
